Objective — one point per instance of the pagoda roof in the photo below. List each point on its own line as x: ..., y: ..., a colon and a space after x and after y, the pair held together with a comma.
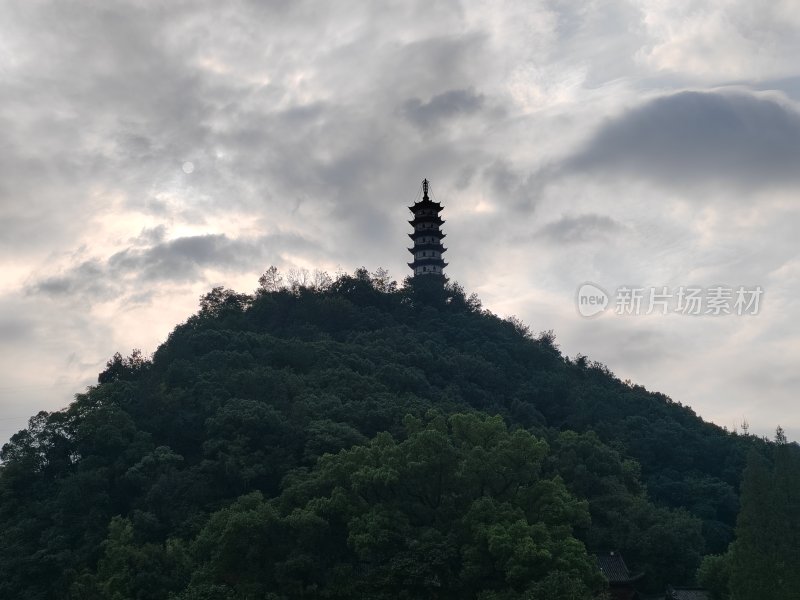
x: 427, y: 219
x: 428, y: 260
x: 427, y: 232
x: 419, y: 247
x: 615, y: 570
x: 426, y: 203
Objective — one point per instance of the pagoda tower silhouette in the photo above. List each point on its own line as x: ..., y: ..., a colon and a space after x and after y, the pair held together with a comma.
x: 427, y: 236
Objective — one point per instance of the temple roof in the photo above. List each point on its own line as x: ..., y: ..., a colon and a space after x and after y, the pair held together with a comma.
x: 614, y: 568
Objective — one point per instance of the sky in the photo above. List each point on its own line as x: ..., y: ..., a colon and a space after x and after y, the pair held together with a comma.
x: 150, y: 151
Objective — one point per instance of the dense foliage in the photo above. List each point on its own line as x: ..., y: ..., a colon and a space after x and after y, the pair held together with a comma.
x: 763, y: 561
x: 355, y: 438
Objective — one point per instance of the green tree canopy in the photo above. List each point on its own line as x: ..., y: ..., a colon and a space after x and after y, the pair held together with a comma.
x: 458, y: 509
x: 285, y: 400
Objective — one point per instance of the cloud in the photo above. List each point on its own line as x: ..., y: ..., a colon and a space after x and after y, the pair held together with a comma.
x: 179, y: 260
x: 183, y: 258
x: 720, y: 39
x: 15, y: 328
x: 87, y: 278
x: 150, y: 235
x: 514, y: 187
x: 321, y: 120
x: 447, y: 105
x: 582, y: 228
x: 735, y: 139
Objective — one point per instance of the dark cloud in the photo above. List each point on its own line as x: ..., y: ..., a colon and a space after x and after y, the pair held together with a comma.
x: 689, y: 138
x: 583, y: 228
x: 513, y: 187
x: 85, y: 279
x: 433, y: 63
x: 449, y: 104
x: 279, y: 118
x: 150, y: 235
x: 179, y: 260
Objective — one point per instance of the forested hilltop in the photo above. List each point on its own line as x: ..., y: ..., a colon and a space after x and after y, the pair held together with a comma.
x: 353, y: 438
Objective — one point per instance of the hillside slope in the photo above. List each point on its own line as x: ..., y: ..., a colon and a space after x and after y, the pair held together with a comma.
x: 341, y: 441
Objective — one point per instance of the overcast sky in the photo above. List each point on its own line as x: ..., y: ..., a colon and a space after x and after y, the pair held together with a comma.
x: 149, y: 151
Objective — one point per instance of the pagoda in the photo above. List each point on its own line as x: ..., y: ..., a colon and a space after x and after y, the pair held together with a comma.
x: 427, y: 236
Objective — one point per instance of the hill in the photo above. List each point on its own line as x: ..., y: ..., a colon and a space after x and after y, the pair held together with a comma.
x: 355, y: 438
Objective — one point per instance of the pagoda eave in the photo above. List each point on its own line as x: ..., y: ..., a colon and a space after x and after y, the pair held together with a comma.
x: 427, y: 247
x: 432, y: 232
x: 415, y: 265
x: 426, y: 204
x: 426, y: 219
x: 428, y: 261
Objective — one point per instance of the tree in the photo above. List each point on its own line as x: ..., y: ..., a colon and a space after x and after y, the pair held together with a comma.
x: 221, y: 301
x: 382, y: 282
x: 780, y: 435
x: 766, y: 552
x: 321, y: 281
x: 264, y: 394
x: 520, y: 327
x: 715, y: 574
x: 129, y: 569
x: 271, y: 281
x: 119, y: 368
x: 298, y: 279
x: 457, y: 510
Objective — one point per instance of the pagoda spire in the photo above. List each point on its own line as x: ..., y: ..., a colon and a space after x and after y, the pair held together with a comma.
x: 427, y: 236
